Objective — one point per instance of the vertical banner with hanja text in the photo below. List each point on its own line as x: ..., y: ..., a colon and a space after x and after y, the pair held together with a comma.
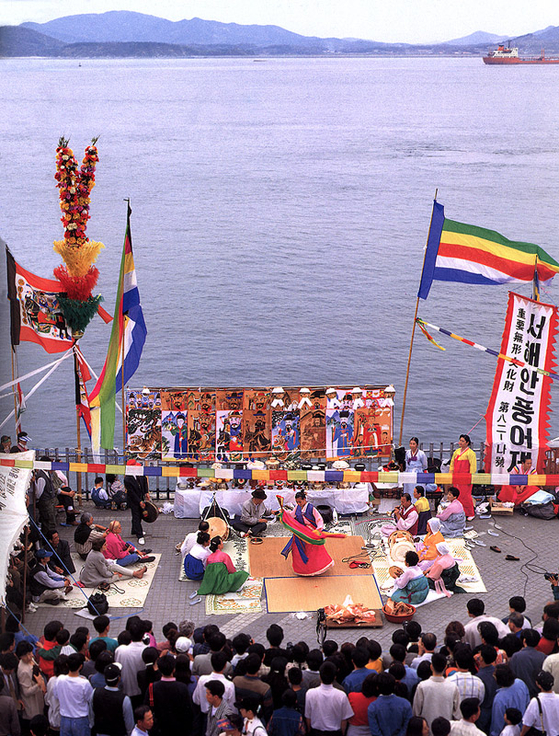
x: 518, y: 411
x: 13, y: 511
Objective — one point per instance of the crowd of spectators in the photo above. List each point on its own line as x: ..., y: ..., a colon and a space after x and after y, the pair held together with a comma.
x: 498, y: 677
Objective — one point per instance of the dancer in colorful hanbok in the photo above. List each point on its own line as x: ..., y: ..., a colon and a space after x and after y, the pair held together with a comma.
x: 308, y: 553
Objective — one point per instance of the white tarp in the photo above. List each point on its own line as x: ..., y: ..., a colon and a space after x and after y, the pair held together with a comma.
x: 13, y: 512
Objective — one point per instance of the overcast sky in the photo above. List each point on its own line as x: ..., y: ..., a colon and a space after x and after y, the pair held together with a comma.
x: 412, y: 21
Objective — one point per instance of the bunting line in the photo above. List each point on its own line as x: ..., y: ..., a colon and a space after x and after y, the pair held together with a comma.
x: 307, y: 476
x: 521, y: 364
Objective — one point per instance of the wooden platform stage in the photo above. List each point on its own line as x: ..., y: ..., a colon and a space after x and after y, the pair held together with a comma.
x: 267, y: 562
x: 310, y: 594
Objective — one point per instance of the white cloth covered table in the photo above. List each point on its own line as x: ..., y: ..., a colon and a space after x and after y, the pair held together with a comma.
x: 190, y: 503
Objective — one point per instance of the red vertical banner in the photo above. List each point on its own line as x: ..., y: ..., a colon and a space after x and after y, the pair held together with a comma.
x: 518, y: 413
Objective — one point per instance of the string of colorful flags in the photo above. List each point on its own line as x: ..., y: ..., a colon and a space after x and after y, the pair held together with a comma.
x: 422, y: 324
x: 307, y: 476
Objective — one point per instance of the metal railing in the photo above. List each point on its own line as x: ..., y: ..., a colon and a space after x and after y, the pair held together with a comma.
x: 162, y: 488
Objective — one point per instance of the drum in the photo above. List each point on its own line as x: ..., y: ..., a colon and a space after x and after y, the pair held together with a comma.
x: 400, y: 542
x: 218, y: 527
x: 150, y: 513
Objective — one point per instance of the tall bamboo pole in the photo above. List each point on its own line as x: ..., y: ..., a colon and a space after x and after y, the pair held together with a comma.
x: 78, y: 428
x: 413, y: 334
x: 123, y: 398
x: 14, y: 388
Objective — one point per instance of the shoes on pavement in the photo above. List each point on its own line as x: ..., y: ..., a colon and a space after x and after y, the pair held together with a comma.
x: 141, y: 540
x: 148, y: 559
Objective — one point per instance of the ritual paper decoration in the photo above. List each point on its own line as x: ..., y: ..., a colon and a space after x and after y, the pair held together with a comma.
x: 518, y: 411
x: 238, y: 424
x: 285, y: 431
x: 143, y: 427
x: 13, y: 512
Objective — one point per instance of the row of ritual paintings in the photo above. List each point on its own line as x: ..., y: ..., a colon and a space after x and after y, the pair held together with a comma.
x: 241, y: 424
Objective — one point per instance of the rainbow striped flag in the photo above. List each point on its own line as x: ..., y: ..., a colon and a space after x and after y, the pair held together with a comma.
x: 127, y: 341
x: 474, y: 255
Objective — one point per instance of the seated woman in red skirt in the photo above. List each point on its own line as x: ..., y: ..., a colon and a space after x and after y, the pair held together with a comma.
x: 519, y: 494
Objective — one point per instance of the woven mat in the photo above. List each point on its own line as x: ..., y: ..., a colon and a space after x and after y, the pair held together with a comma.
x: 309, y: 594
x: 468, y: 567
x: 135, y: 590
x: 266, y: 560
x: 247, y: 601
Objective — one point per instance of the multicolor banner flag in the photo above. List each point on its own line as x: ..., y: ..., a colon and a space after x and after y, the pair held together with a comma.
x: 125, y: 349
x: 518, y: 412
x: 81, y: 375
x: 474, y: 255
x: 35, y: 314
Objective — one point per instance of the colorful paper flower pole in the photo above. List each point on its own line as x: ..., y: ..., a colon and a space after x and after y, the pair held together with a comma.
x: 78, y: 276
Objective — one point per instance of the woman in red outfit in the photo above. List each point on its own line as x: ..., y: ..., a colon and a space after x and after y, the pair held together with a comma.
x: 464, y: 461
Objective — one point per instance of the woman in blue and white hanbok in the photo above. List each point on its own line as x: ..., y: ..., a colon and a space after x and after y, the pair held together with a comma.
x: 195, y: 560
x: 416, y: 461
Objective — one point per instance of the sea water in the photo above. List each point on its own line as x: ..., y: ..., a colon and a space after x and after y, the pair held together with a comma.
x: 280, y: 212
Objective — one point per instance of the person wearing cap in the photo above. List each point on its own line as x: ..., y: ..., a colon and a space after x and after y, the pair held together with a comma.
x: 5, y: 444
x: 110, y: 710
x: 22, y: 439
x: 45, y: 584
x: 253, y: 512
x: 232, y: 725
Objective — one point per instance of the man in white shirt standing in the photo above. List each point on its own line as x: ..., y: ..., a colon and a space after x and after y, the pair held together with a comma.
x: 74, y: 693
x: 544, y: 708
x: 471, y: 711
x: 130, y: 657
x: 327, y: 709
x: 476, y: 611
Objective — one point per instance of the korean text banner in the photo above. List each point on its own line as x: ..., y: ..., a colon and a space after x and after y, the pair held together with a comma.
x: 13, y: 512
x: 518, y: 411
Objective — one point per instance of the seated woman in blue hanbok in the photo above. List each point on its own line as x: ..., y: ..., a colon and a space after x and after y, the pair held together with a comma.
x: 412, y: 585
x: 451, y: 515
x: 195, y: 560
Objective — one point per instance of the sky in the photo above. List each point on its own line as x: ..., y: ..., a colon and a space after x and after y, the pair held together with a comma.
x: 409, y: 21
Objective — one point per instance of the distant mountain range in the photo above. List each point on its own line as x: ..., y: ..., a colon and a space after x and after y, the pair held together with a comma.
x: 127, y: 34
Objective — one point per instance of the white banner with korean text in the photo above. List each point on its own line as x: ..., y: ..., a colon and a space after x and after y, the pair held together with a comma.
x: 13, y: 511
x: 518, y: 412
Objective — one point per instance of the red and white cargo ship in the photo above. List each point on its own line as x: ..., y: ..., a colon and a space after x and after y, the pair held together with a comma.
x: 507, y: 55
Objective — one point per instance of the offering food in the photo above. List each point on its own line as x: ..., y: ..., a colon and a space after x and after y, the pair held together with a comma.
x: 398, y: 611
x: 398, y: 608
x: 350, y: 613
